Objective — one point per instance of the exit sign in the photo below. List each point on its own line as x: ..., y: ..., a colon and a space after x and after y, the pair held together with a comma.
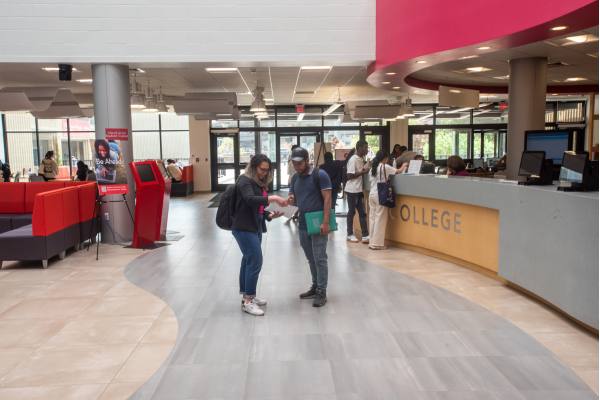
x: 299, y: 108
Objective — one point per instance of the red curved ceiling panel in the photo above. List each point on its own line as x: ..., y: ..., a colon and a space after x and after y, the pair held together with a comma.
x: 438, y: 29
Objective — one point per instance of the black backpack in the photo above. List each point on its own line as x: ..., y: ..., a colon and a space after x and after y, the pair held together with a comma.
x: 226, y: 209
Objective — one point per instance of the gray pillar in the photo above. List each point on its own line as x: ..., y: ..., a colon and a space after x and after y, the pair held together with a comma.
x: 112, y: 110
x: 526, y: 106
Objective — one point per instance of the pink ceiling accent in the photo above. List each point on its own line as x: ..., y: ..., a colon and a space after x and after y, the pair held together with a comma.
x: 438, y: 31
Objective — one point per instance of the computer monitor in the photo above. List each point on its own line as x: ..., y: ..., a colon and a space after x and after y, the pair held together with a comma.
x: 532, y: 163
x: 553, y: 143
x: 573, y: 167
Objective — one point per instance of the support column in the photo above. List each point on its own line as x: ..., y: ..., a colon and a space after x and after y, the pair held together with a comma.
x: 112, y: 110
x: 527, y: 106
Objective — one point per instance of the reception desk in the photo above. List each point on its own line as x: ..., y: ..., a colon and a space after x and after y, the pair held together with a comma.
x: 540, y: 239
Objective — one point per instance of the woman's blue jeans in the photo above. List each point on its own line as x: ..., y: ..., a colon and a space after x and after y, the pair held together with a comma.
x: 250, y: 245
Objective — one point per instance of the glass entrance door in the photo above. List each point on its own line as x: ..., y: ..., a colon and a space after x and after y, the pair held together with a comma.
x: 285, y: 143
x: 224, y: 166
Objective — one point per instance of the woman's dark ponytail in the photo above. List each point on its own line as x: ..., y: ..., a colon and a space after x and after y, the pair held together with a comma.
x: 379, y: 157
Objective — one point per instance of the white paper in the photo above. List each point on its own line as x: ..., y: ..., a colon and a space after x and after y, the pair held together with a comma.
x: 287, y: 211
x: 414, y: 167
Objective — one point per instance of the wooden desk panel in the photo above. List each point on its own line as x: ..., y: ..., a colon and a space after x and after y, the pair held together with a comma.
x: 462, y: 231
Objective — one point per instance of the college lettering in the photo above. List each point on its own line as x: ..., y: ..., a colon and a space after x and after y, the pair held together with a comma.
x: 447, y: 220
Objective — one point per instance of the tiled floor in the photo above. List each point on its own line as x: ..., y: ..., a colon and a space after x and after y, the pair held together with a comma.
x: 383, y: 334
x: 79, y: 330
x: 427, y: 330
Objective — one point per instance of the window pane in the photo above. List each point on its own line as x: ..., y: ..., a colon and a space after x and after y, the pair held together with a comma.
x: 223, y: 123
x: 423, y: 115
x: 342, y: 139
x: 374, y: 142
x: 247, y: 121
x: 82, y: 124
x: 463, y: 144
x: 82, y: 148
x: 489, y: 144
x: 247, y: 146
x: 146, y: 146
x: 268, y: 122
x: 490, y: 114
x: 445, y: 143
x: 141, y: 121
x: 20, y: 122
x: 452, y: 116
x: 2, y: 155
x: 420, y: 144
x: 176, y: 145
x: 267, y: 144
x: 501, y: 144
x: 477, y: 145
x: 225, y: 176
x: 52, y: 125
x: 22, y: 151
x: 225, y: 149
x: 174, y: 122
x: 57, y: 142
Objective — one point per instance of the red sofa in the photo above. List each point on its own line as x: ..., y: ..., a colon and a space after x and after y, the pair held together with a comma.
x: 39, y: 220
x: 186, y: 186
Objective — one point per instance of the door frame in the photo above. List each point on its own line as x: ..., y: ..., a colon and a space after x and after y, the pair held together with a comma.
x: 215, y: 165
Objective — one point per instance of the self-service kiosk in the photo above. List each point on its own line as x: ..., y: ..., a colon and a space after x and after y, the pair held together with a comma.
x: 150, y: 209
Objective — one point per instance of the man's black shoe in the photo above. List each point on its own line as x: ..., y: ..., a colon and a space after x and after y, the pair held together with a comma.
x: 320, y: 298
x: 310, y: 294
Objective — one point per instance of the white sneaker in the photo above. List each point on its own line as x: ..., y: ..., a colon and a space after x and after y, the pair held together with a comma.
x: 352, y: 239
x: 258, y: 301
x: 365, y: 239
x: 252, y: 308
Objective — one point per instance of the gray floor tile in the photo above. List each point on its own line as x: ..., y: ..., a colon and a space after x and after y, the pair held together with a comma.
x: 382, y: 335
x: 288, y: 378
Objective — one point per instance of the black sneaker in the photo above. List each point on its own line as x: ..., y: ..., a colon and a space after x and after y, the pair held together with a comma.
x: 310, y: 294
x: 320, y: 298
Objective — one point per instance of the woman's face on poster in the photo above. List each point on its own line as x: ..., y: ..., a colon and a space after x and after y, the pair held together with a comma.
x: 102, y: 151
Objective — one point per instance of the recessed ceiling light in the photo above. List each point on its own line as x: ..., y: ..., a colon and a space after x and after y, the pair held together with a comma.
x: 484, y: 48
x: 54, y: 69
x: 221, y: 69
x: 385, y: 83
x: 468, y: 57
x: 477, y: 69
x: 503, y: 77
x: 421, y: 62
x: 554, y: 94
x: 316, y: 67
x: 141, y: 71
x: 575, y: 79
x: 396, y: 87
x: 559, y: 28
x: 595, y: 55
x: 88, y: 80
x: 582, y: 38
x: 420, y: 92
x: 390, y: 73
x: 223, y: 115
x: 269, y: 99
x: 455, y: 91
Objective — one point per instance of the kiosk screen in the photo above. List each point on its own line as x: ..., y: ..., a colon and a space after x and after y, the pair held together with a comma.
x: 145, y: 172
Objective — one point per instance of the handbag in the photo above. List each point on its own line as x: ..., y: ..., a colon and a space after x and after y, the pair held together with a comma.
x: 385, y: 191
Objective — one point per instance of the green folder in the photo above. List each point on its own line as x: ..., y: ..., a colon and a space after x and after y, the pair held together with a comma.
x: 314, y: 219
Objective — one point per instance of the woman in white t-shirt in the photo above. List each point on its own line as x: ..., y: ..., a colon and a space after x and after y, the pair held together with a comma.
x: 378, y: 214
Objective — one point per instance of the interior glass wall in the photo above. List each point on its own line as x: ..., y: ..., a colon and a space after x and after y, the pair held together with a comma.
x: 155, y: 136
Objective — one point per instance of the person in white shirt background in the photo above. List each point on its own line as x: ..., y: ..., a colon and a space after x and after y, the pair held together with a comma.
x: 355, y: 169
x: 378, y: 214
